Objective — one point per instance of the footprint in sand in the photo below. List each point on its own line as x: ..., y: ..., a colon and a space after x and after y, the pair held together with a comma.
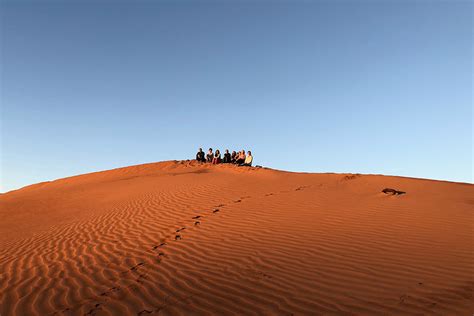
x: 180, y: 229
x: 403, y: 298
x: 197, y: 217
x: 160, y: 245
x: 392, y: 191
x: 351, y: 177
x: 140, y: 278
x: 111, y: 290
x: 135, y: 267
x: 301, y: 188
x: 197, y: 223
x: 216, y: 210
x: 145, y: 311
x: 237, y: 201
x: 94, y: 309
x: 178, y: 237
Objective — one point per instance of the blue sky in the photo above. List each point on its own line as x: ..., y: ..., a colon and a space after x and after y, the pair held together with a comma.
x: 379, y: 87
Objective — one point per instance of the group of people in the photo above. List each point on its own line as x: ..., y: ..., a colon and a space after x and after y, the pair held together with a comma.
x: 238, y: 158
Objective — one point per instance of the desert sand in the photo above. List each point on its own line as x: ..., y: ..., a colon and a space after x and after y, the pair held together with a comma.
x: 179, y: 238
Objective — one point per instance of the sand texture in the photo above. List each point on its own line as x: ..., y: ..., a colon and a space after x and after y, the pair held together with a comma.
x: 179, y: 238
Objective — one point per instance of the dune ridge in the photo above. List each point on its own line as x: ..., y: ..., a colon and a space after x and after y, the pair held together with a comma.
x: 267, y: 243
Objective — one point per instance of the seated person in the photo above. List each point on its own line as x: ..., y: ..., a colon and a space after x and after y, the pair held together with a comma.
x: 217, y: 157
x: 209, y: 155
x: 248, y: 160
x: 200, y: 156
x: 227, y: 158
x: 233, y: 157
x: 240, y: 158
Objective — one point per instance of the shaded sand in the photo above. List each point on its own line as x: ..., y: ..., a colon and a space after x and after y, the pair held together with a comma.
x: 177, y: 238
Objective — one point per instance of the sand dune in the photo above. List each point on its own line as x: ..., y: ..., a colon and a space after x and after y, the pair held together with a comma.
x: 177, y: 238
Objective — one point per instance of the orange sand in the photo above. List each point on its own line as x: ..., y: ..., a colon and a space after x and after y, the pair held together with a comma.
x: 281, y: 244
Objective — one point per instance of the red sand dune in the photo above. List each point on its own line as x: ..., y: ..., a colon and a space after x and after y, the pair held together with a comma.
x: 281, y: 244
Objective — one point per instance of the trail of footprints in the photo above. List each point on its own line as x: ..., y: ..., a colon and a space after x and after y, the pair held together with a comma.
x: 139, y: 276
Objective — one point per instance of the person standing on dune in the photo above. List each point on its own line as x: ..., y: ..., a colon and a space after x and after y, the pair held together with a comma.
x: 200, y: 156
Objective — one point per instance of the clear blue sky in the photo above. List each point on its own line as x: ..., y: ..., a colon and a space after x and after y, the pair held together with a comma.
x: 357, y: 86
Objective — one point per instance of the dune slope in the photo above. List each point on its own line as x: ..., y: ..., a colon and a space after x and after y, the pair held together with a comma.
x: 178, y: 238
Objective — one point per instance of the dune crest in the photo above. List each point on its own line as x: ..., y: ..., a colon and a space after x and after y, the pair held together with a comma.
x: 179, y: 238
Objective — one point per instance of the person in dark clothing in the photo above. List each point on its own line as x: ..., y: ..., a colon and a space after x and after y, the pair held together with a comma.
x: 233, y: 157
x: 240, y: 157
x: 227, y: 158
x: 200, y: 156
x: 210, y: 155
